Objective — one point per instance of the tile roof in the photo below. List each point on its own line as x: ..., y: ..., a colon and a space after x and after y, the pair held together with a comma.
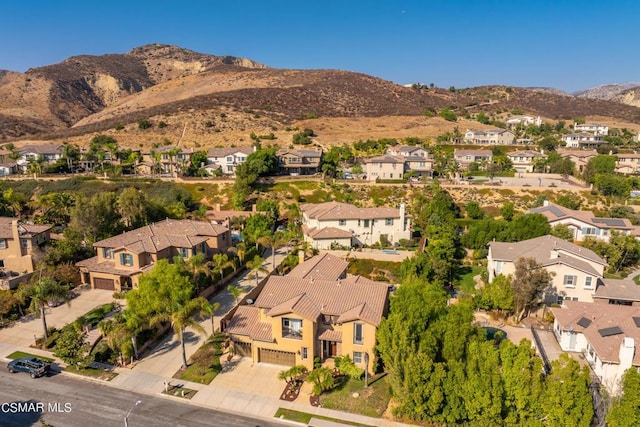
x: 541, y: 249
x: 164, y: 234
x: 25, y: 230
x: 458, y: 152
x: 41, y: 149
x: 330, y: 335
x: 602, y: 316
x: 619, y: 289
x: 246, y: 321
x: 35, y: 228
x: 577, y: 153
x: 337, y: 210
x: 354, y: 300
x: 555, y: 212
x: 324, y: 267
x: 388, y: 158
x: 5, y: 227
x: 300, y: 304
x: 227, y: 151
x: 325, y: 233
x: 224, y: 215
x: 108, y: 267
x: 525, y: 153
x: 299, y: 153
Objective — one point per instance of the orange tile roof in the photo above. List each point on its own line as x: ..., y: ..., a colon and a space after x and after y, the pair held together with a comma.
x: 325, y: 267
x: 246, y: 321
x: 337, y: 210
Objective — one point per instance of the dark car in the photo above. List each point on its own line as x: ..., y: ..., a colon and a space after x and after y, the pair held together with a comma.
x: 35, y: 367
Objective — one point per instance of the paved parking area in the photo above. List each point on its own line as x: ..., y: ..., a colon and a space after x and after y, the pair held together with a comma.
x: 20, y: 334
x: 242, y: 375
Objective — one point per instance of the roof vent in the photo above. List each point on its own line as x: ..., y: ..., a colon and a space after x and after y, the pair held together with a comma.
x: 249, y: 301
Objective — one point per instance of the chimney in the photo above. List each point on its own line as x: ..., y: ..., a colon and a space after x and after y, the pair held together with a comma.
x: 545, y: 203
x: 402, y: 214
x: 300, y: 256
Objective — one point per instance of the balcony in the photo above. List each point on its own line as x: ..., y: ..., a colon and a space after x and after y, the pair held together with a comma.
x: 291, y: 333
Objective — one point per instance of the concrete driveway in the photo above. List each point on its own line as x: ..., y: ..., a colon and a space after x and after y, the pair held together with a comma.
x: 241, y: 374
x: 20, y: 335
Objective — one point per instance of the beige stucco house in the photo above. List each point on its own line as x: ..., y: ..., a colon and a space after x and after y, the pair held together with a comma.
x: 365, y: 226
x: 299, y: 162
x: 489, y: 137
x: 20, y: 244
x: 121, y: 259
x: 524, y: 161
x: 579, y: 157
x: 576, y: 270
x: 464, y: 158
x: 317, y: 310
x: 582, y: 140
x: 228, y: 158
x: 607, y: 335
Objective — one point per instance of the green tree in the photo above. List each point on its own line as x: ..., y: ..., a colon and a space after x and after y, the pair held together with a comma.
x: 508, y: 211
x: 235, y: 292
x: 97, y: 217
x: 529, y: 282
x: 562, y: 231
x: 222, y: 261
x: 40, y: 294
x: 132, y: 207
x: 274, y: 242
x: 71, y: 347
x: 322, y: 380
x: 257, y: 226
x: 256, y: 267
x: 567, y: 399
x: 448, y: 114
x: 497, y: 295
x: 601, y: 164
x: 474, y: 211
x: 625, y: 411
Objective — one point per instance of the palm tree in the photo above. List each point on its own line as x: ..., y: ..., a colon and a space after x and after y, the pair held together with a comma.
x: 273, y: 242
x: 291, y: 375
x: 198, y: 268
x: 211, y: 309
x: 322, y: 379
x: 222, y: 261
x: 134, y: 325
x: 256, y: 266
x: 181, y: 318
x: 235, y: 292
x: 41, y: 292
x: 114, y: 331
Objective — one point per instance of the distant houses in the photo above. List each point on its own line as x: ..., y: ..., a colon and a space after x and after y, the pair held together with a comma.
x: 582, y: 140
x: 489, y: 137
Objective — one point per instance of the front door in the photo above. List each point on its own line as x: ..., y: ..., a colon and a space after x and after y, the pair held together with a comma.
x: 329, y: 349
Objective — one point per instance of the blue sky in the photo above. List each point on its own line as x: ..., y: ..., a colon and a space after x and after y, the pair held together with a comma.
x: 566, y: 44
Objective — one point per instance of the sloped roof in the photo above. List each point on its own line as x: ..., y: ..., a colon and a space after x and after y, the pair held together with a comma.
x: 245, y: 321
x: 555, y: 212
x: 164, y: 234
x: 108, y: 267
x: 602, y: 316
x: 330, y: 335
x: 24, y: 229
x: 619, y: 289
x: 387, y: 158
x: 41, y: 149
x: 324, y: 267
x: 299, y: 153
x: 337, y: 210
x: 577, y: 153
x: 325, y: 233
x: 227, y: 151
x: 525, y: 153
x: 300, y: 304
x: 540, y: 248
x: 483, y: 153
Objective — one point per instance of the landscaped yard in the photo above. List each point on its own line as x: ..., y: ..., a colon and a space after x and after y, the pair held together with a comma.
x: 204, y: 365
x: 100, y: 374
x: 467, y: 273
x: 371, y: 401
x: 21, y: 354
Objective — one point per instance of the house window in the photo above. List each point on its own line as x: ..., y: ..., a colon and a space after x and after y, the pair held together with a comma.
x: 3, y: 243
x: 569, y: 281
x: 1, y: 263
x: 292, y: 328
x: 358, y: 333
x: 126, y: 259
x: 499, y: 265
x: 559, y: 299
x: 366, y: 223
x: 388, y: 221
x: 107, y: 253
x: 24, y: 243
x: 357, y: 357
x: 304, y: 353
x: 203, y: 246
x: 588, y: 282
x: 589, y: 230
x: 229, y: 159
x: 184, y: 252
x: 229, y: 168
x: 342, y: 222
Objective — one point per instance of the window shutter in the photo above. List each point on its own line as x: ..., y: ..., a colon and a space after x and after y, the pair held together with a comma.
x: 122, y: 259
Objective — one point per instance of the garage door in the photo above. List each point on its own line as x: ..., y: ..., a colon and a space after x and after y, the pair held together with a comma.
x: 277, y: 357
x: 242, y: 348
x: 107, y: 284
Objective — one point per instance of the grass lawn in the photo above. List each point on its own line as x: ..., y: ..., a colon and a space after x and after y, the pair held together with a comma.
x: 100, y: 374
x: 372, y: 401
x: 466, y: 278
x: 614, y: 276
x: 303, y: 417
x: 204, y: 365
x: 637, y: 280
x: 20, y: 354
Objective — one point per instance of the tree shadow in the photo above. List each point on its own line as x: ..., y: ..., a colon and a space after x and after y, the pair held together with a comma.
x: 22, y: 412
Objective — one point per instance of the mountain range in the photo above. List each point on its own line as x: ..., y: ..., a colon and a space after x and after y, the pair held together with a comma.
x: 207, y: 94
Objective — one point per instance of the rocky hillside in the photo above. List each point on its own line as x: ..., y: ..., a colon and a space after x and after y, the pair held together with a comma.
x: 628, y: 97
x: 607, y: 92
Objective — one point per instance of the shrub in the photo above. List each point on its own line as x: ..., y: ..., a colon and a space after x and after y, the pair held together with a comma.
x: 448, y: 115
x: 348, y: 368
x: 119, y: 127
x: 162, y: 125
x: 144, y: 124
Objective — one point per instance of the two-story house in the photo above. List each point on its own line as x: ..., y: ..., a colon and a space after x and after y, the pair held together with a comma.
x: 366, y: 226
x: 524, y: 120
x: 19, y: 244
x: 316, y: 310
x: 579, y: 157
x: 464, y: 158
x: 228, y: 159
x: 524, y: 160
x: 583, y: 223
x: 299, y: 162
x: 627, y: 163
x: 416, y: 159
x: 607, y: 335
x: 8, y: 166
x: 576, y: 270
x: 582, y: 140
x: 384, y: 167
x: 121, y: 259
x: 489, y: 137
x: 595, y: 128
x: 49, y: 153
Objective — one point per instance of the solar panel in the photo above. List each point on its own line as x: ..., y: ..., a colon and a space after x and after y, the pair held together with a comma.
x: 606, y: 332
x: 584, y: 322
x: 636, y: 320
x: 556, y: 211
x: 611, y: 222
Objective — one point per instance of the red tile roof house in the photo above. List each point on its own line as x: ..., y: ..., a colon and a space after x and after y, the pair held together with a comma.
x: 607, y: 335
x: 317, y: 310
x: 121, y: 259
x: 19, y: 244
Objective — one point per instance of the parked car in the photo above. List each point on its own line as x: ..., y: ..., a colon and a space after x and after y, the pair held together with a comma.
x: 34, y: 367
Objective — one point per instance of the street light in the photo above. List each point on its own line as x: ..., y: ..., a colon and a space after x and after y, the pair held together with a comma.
x: 126, y: 418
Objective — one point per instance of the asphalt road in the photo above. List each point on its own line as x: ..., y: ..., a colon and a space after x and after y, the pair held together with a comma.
x: 62, y: 401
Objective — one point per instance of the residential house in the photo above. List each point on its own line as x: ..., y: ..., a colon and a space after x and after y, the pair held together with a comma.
x: 416, y: 159
x: 579, y: 157
x: 48, y: 153
x: 228, y: 159
x: 465, y: 157
x: 20, y: 246
x: 628, y: 163
x: 607, y: 335
x: 582, y: 140
x: 121, y: 259
x: 8, y: 166
x: 576, y: 270
x: 299, y: 162
x: 365, y: 225
x: 595, y: 128
x: 524, y: 120
x: 524, y: 160
x: 489, y: 137
x: 408, y: 151
x: 384, y: 167
x: 583, y: 223
x: 618, y: 292
x: 316, y: 310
